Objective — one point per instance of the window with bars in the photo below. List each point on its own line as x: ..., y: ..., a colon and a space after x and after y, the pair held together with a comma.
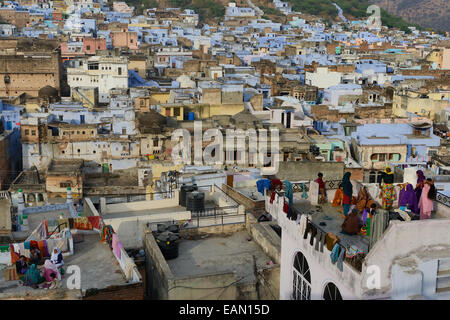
x: 331, y: 292
x: 301, y: 286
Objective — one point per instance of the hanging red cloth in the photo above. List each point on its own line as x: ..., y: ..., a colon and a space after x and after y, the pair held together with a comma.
x: 276, y: 184
x: 272, y: 196
x: 286, y: 208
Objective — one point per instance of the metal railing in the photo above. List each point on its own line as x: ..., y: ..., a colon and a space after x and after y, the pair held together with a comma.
x: 329, y: 185
x: 199, y: 222
x: 218, y: 220
x: 215, y: 211
x: 139, y: 197
x: 442, y: 198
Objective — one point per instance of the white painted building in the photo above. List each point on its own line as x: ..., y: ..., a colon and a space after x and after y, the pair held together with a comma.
x: 238, y: 12
x: 323, y: 78
x: 104, y: 73
x: 410, y: 260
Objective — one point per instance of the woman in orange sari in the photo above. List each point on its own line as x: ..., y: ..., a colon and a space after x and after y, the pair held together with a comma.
x: 338, y: 197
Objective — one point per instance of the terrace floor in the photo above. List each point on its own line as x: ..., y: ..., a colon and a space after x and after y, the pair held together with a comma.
x: 219, y: 254
x: 333, y: 222
x: 99, y: 269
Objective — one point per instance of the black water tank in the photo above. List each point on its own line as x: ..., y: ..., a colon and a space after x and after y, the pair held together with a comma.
x: 184, y: 190
x: 173, y: 228
x: 161, y: 227
x: 195, y: 201
x: 168, y: 244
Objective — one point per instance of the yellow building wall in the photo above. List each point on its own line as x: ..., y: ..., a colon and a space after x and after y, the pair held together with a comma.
x: 171, y: 112
x: 432, y: 106
x: 160, y: 97
x: 226, y: 109
x: 31, y: 107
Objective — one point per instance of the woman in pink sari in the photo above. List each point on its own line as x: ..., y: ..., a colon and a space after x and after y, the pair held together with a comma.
x: 426, y: 199
x: 50, y: 268
x: 51, y: 274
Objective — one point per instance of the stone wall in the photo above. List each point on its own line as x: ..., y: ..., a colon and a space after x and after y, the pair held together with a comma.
x: 249, y: 204
x: 302, y: 171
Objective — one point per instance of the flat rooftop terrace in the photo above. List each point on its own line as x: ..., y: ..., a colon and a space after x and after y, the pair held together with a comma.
x: 98, y: 267
x: 333, y: 222
x: 219, y: 254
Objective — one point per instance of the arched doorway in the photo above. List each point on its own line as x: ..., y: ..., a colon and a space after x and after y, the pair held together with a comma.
x: 301, y: 284
x: 331, y: 292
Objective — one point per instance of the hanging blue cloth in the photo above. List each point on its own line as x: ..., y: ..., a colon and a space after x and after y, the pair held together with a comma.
x: 340, y: 261
x: 334, y: 254
x: 262, y: 185
x: 304, y: 193
x: 289, y: 192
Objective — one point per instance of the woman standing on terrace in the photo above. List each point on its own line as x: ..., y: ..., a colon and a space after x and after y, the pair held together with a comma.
x: 387, y: 193
x: 420, y: 183
x: 426, y: 199
x: 347, y: 189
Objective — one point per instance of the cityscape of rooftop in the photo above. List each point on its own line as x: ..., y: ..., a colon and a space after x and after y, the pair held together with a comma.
x: 222, y: 151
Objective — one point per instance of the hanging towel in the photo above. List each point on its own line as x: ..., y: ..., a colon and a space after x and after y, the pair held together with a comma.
x: 322, y: 242
x: 352, y: 251
x: 116, y: 245
x: 331, y: 240
x: 33, y: 244
x: 26, y: 245
x: 304, y: 193
x: 94, y: 221
x: 27, y: 253
x: 45, y: 223
x: 261, y: 185
x: 82, y: 223
x: 285, y: 208
x: 43, y: 248
x: 307, y: 229
x: 289, y: 192
x: 16, y: 247
x: 272, y: 196
x: 313, y: 234
x: 22, y: 248
x: 50, y: 245
x: 289, y: 214
x: 14, y: 255
x: 318, y: 237
x: 334, y: 254
x: 276, y: 184
x: 340, y: 261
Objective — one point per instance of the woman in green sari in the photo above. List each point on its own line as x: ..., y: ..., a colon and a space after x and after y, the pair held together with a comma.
x: 33, y: 277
